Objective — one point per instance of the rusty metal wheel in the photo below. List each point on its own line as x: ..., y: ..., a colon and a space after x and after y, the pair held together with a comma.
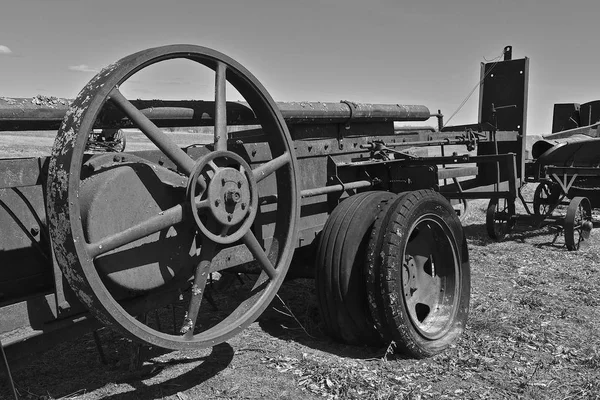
x: 545, y: 199
x: 418, y: 282
x: 129, y: 233
x: 578, y: 223
x: 339, y: 268
x: 498, y: 219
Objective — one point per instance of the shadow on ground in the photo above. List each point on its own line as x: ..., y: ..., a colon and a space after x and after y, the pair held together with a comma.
x: 58, y: 372
x: 211, y: 365
x: 294, y: 315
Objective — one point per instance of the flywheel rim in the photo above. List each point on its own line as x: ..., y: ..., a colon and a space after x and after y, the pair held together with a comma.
x: 76, y: 258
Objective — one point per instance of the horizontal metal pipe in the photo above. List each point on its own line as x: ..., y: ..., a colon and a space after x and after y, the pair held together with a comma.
x: 47, y: 113
x: 478, y: 195
x: 272, y: 199
x: 335, y: 188
x: 303, y: 112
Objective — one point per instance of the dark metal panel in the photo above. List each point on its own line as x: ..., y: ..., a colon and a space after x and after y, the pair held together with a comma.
x: 25, y: 261
x: 503, y: 105
x: 504, y: 95
x: 565, y: 117
x: 17, y: 172
x: 590, y: 113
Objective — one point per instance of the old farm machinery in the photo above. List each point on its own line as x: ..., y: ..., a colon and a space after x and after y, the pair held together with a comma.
x: 566, y: 167
x: 183, y: 247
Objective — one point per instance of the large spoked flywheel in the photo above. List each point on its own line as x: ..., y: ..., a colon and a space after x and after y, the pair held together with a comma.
x: 127, y: 235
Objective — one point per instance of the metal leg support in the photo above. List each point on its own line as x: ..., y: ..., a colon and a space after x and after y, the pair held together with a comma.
x: 8, y: 374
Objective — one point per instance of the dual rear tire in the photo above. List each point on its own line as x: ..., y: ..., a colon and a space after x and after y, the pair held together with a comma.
x: 394, y: 268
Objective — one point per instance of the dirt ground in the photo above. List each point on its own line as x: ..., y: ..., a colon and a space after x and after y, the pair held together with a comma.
x: 532, y: 334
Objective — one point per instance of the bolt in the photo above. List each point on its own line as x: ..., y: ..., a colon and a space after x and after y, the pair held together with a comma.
x: 229, y: 217
x: 35, y: 230
x: 217, y: 202
x: 243, y: 206
x: 231, y: 197
x: 223, y: 182
x: 239, y: 185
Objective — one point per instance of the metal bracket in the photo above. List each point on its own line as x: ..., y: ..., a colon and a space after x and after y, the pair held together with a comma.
x: 564, y: 186
x: 352, y: 106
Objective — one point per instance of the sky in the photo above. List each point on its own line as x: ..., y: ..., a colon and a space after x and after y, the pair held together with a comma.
x: 378, y: 51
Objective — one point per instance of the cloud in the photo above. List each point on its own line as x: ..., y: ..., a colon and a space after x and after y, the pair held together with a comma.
x: 82, y: 68
x: 5, y: 50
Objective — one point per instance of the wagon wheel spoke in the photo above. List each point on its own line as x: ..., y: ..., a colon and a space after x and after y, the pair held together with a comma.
x: 259, y: 254
x: 200, y: 277
x: 162, y: 141
x: 268, y: 168
x: 165, y: 219
x: 582, y: 227
x: 220, y: 107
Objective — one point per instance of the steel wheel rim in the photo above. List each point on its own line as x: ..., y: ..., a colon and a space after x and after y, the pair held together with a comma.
x: 578, y: 222
x: 498, y: 219
x: 64, y: 211
x: 543, y: 199
x: 431, y: 315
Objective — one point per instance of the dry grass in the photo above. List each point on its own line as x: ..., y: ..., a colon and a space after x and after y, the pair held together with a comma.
x: 532, y: 334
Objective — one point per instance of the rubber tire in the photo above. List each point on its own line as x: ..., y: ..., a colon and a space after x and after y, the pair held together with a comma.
x: 340, y: 259
x: 389, y: 238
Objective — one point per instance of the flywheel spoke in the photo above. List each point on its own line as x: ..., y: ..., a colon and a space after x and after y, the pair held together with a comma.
x: 200, y: 277
x: 220, y: 107
x: 259, y: 254
x: 165, y: 219
x: 162, y: 141
x: 268, y: 168
x: 213, y: 166
x: 202, y: 205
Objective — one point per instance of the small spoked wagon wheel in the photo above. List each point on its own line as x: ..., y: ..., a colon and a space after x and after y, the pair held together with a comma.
x: 418, y: 274
x: 498, y: 219
x: 545, y: 198
x: 578, y: 223
x: 119, y: 230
